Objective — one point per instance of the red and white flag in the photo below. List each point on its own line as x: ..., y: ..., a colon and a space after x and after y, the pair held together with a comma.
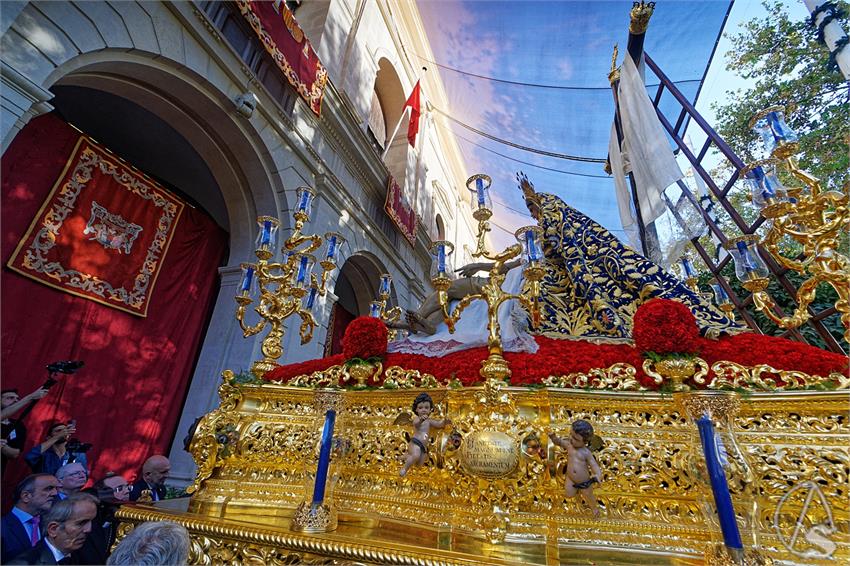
x: 413, y: 127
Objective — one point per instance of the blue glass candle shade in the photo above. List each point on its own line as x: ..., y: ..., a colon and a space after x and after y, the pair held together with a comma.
x: 530, y: 238
x: 719, y: 485
x: 303, y: 200
x: 440, y: 254
x: 721, y: 297
x: 310, y: 299
x: 267, y: 236
x: 748, y: 263
x: 688, y: 268
x: 385, y: 285
x: 773, y: 130
x: 324, y: 458
x: 375, y: 309
x: 765, y: 186
x: 335, y: 242
x: 479, y: 186
x: 248, y: 272
x: 304, y: 263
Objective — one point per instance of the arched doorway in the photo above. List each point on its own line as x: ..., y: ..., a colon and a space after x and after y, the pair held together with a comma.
x: 356, y: 287
x: 174, y: 125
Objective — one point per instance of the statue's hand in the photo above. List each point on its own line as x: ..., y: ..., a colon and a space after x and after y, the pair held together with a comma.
x: 471, y: 269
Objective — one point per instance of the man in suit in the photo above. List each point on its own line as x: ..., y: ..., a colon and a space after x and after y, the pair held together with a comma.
x: 154, y: 473
x: 19, y: 530
x: 72, y: 477
x: 67, y: 524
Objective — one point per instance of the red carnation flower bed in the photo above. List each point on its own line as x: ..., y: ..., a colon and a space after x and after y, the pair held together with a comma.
x: 664, y: 327
x: 287, y: 372
x: 365, y: 337
x: 562, y: 357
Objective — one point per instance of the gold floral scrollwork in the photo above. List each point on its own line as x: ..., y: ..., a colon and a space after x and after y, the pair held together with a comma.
x: 618, y: 377
x: 397, y: 377
x: 325, y: 400
x: 205, y: 447
x: 229, y: 394
x: 331, y: 377
x: 676, y: 371
x: 718, y: 405
x: 717, y: 555
x: 730, y: 375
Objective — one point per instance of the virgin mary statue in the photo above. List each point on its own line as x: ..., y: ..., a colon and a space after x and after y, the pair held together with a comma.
x: 592, y: 288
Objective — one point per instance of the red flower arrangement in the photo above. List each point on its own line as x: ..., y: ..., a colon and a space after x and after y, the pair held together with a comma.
x: 287, y: 372
x: 665, y: 327
x: 365, y: 337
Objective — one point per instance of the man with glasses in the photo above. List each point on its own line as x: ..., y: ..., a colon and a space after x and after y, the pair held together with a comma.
x: 20, y: 529
x: 72, y: 477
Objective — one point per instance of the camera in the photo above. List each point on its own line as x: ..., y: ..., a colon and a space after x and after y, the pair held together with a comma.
x: 74, y: 445
x: 65, y: 367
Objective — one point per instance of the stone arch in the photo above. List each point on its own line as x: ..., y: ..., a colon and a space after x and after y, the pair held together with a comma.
x: 357, y: 283
x: 441, y: 228
x: 355, y: 288
x: 391, y: 95
x: 200, y: 113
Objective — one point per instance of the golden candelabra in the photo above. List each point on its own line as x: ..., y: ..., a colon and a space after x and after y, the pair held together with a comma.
x: 809, y: 215
x: 529, y: 237
x: 287, y: 287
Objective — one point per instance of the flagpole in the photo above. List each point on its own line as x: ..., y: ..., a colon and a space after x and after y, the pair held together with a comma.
x: 392, y: 137
x: 400, y: 119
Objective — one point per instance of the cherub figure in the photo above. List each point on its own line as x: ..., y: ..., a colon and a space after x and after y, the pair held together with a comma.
x: 580, y: 463
x: 417, y: 450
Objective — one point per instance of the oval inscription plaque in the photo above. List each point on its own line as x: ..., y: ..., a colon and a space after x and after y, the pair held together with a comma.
x: 489, y: 454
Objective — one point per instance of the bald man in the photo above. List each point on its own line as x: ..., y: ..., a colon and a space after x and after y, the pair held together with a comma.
x: 154, y: 473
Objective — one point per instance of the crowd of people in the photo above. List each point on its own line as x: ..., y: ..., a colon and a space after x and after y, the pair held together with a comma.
x: 56, y: 519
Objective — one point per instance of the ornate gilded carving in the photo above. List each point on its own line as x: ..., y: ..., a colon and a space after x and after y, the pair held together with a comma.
x: 648, y: 497
x: 311, y: 518
x: 618, y: 377
x: 676, y: 371
x: 718, y: 405
x: 639, y: 17
x: 731, y: 375
x: 397, y: 377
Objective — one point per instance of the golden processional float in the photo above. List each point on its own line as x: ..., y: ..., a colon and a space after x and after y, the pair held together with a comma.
x: 750, y: 467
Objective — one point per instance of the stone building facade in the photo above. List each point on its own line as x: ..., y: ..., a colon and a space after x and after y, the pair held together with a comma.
x: 156, y: 82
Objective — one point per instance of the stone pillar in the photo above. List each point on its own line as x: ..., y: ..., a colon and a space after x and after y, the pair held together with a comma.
x: 22, y: 101
x: 224, y: 348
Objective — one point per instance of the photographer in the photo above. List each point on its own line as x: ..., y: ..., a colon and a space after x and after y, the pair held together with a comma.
x: 14, y: 434
x: 56, y: 451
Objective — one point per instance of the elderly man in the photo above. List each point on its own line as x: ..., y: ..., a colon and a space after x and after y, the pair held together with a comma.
x: 72, y: 477
x: 154, y: 473
x: 112, y: 490
x: 67, y: 525
x: 19, y: 530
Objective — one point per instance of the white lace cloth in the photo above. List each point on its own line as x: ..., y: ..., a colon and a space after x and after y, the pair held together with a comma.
x: 471, y: 329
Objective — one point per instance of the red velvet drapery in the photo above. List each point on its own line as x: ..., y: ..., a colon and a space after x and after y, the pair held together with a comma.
x: 128, y: 397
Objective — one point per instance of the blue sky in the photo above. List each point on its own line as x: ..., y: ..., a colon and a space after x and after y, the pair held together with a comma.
x: 564, y: 44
